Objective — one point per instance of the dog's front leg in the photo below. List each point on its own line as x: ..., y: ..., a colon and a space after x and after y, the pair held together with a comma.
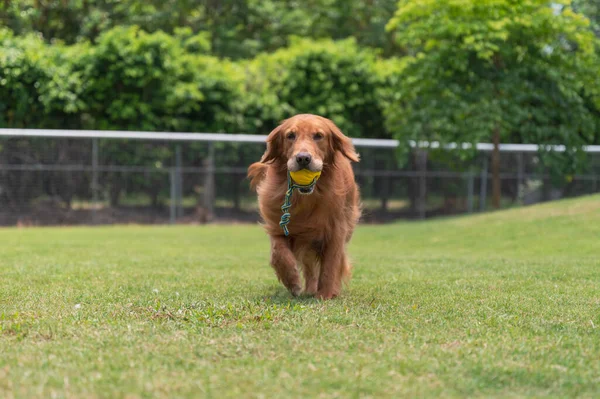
x: 333, y: 266
x: 284, y: 263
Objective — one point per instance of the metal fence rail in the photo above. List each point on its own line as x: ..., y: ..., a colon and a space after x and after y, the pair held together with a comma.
x: 75, y: 176
x: 249, y: 138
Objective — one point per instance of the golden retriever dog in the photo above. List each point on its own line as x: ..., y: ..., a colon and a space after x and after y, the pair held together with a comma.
x: 323, y: 217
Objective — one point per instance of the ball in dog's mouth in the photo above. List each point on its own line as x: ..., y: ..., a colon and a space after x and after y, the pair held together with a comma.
x: 304, y: 177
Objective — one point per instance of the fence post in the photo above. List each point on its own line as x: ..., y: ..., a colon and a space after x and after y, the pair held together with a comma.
x: 173, y: 196
x: 209, y: 182
x: 385, y: 182
x: 422, y: 173
x: 94, y: 180
x: 470, y: 190
x: 178, y: 183
x: 520, y: 176
x: 483, y: 185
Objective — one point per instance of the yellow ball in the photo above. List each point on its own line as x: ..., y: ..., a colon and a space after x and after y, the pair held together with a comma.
x: 304, y: 177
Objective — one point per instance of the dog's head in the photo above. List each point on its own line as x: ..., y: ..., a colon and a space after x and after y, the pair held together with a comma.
x: 307, y: 142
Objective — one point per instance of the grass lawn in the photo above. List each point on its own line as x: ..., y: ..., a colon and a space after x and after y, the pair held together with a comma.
x: 503, y: 304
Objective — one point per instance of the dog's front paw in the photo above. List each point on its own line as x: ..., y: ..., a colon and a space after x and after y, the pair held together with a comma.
x: 295, y: 290
x: 326, y: 295
x: 310, y: 288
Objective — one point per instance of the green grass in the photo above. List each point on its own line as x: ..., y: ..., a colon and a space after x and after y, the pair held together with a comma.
x: 504, y: 304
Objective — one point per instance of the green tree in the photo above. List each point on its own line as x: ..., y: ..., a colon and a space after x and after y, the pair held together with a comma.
x: 74, y: 20
x: 591, y: 9
x: 497, y: 70
x: 238, y: 28
x: 365, y: 20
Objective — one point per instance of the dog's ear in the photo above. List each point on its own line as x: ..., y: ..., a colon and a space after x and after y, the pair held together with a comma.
x: 341, y: 143
x: 256, y: 173
x: 274, y: 145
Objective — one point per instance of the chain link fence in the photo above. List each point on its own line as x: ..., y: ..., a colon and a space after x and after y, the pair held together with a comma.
x: 75, y: 178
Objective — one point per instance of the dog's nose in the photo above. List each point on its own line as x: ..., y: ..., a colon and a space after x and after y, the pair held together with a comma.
x: 303, y: 159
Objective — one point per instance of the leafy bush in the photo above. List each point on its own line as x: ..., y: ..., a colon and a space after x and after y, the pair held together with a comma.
x: 338, y: 80
x: 38, y: 89
x: 37, y: 86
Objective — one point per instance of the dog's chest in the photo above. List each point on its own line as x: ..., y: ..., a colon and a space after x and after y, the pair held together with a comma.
x: 308, y: 215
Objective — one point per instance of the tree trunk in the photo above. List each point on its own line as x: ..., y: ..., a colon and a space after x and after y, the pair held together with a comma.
x: 384, y: 200
x: 496, y: 186
x: 422, y: 169
x: 154, y: 197
x: 384, y: 183
x: 414, y: 184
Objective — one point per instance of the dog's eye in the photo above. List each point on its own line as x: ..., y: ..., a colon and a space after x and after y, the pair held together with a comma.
x: 318, y: 136
x: 291, y: 136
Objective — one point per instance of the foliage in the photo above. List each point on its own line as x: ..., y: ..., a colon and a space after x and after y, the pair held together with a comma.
x: 74, y: 20
x: 238, y: 28
x: 335, y: 79
x: 521, y: 67
x: 157, y: 82
x: 128, y: 80
x: 591, y: 9
x: 37, y: 86
x: 38, y: 89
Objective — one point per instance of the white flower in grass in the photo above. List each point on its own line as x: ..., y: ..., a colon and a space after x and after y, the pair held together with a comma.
x: 155, y: 290
x: 77, y: 306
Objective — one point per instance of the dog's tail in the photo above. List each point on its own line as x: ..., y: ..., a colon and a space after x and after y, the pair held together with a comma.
x: 256, y: 173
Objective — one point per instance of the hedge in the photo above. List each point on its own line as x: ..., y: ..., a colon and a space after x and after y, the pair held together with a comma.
x: 128, y: 79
